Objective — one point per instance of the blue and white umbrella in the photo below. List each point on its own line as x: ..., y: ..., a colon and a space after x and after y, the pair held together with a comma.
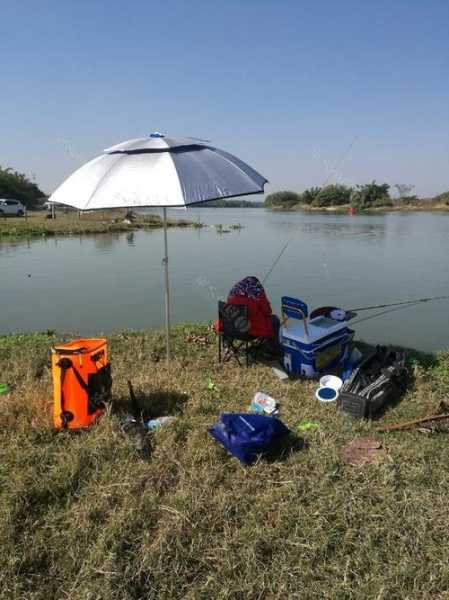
x: 158, y: 171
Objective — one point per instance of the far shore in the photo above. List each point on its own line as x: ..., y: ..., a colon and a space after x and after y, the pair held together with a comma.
x: 344, y: 208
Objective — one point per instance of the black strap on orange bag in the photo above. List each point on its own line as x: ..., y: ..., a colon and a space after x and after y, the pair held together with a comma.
x: 66, y: 416
x: 95, y: 393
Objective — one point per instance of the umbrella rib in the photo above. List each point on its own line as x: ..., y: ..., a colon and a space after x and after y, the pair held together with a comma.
x: 223, y: 155
x: 100, y: 181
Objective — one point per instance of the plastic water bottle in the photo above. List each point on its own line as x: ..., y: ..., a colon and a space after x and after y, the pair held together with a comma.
x: 156, y: 424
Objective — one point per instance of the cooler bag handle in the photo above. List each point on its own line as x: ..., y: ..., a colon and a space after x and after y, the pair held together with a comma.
x: 66, y: 416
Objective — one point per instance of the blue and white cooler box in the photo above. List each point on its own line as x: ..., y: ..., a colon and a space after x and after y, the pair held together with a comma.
x: 312, y: 346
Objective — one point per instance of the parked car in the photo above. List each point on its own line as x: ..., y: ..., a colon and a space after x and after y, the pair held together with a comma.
x: 12, y: 207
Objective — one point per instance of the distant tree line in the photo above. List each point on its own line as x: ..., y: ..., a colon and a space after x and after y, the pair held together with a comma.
x: 369, y: 195
x: 17, y: 186
x: 362, y: 196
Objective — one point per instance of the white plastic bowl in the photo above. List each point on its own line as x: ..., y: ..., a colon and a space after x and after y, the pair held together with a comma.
x: 331, y: 381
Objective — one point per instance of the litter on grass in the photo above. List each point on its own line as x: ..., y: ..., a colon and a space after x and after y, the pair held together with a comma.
x: 156, y: 424
x: 363, y: 451
x: 307, y: 425
x: 279, y: 372
x: 263, y: 403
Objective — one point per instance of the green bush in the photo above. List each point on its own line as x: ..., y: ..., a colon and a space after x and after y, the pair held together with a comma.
x: 283, y: 199
x: 365, y: 196
x: 309, y: 196
x: 442, y: 198
x: 17, y: 186
x: 333, y: 195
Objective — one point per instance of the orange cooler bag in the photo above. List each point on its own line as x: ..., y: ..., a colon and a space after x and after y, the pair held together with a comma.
x: 81, y: 382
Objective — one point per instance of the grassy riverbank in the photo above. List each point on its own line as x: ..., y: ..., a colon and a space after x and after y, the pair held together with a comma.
x: 86, y: 516
x: 70, y: 223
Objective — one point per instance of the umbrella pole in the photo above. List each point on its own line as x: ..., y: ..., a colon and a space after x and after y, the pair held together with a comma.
x: 167, y: 289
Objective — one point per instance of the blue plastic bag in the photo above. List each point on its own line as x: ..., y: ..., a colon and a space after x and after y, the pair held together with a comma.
x: 246, y: 435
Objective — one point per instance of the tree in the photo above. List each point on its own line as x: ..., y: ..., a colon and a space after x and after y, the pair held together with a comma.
x: 283, y: 199
x: 371, y: 194
x: 403, y: 189
x: 404, y: 195
x: 308, y: 196
x: 17, y: 186
x: 333, y: 195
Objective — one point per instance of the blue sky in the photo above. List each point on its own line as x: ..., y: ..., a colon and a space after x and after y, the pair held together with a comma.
x: 306, y: 92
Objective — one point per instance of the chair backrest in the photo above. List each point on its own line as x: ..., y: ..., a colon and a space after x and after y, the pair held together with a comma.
x: 294, y: 308
x: 234, y: 320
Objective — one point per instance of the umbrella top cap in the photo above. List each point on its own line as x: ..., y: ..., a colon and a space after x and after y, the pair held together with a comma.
x: 156, y: 142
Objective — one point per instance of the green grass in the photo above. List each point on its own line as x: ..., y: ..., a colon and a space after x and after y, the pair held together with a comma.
x: 69, y: 223
x: 87, y: 516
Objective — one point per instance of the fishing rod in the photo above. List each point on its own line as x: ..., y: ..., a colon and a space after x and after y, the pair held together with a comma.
x: 277, y: 259
x: 384, y: 312
x: 396, y: 306
x: 402, y: 303
x: 340, y: 160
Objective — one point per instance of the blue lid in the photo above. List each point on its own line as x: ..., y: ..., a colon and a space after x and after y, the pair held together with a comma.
x: 326, y: 394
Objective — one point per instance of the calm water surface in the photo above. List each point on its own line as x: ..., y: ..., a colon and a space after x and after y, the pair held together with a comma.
x: 104, y: 283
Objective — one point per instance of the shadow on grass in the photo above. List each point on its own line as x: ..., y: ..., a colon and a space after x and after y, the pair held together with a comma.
x: 158, y: 403
x: 284, y: 447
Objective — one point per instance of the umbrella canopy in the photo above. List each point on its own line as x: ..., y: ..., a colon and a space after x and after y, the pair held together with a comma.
x: 158, y: 171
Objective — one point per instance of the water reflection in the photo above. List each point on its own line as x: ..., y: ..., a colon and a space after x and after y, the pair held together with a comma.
x: 331, y: 229
x: 104, y: 242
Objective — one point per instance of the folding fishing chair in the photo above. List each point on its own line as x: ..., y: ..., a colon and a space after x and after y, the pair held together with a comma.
x: 233, y: 336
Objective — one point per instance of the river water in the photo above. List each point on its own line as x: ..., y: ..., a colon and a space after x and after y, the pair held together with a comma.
x: 104, y: 283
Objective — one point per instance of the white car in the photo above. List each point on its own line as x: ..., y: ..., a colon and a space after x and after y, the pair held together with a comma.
x: 12, y: 207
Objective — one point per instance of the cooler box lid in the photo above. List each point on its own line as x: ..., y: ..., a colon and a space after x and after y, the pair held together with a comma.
x: 319, y: 328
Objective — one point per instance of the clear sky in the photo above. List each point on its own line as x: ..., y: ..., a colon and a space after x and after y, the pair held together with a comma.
x: 305, y: 91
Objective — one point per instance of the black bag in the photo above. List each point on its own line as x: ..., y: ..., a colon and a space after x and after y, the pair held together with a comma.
x: 379, y: 380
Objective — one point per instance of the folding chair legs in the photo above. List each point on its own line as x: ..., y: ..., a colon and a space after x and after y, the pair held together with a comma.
x: 227, y: 350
